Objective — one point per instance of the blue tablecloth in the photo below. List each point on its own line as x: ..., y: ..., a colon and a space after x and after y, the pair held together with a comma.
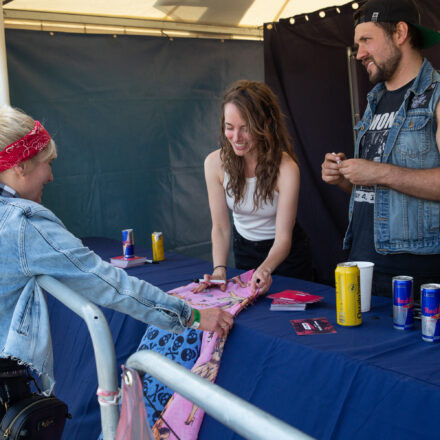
x: 363, y: 382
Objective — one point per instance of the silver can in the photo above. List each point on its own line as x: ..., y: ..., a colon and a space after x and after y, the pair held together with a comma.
x: 430, y: 304
x: 403, y: 302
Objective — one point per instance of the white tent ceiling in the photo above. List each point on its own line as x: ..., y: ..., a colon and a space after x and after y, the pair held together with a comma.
x: 197, y: 18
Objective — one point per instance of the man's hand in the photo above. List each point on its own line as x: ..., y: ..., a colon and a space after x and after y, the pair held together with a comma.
x: 363, y: 172
x: 216, y: 320
x: 330, y: 172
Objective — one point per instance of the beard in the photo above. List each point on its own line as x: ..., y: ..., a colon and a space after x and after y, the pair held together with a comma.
x: 385, y: 71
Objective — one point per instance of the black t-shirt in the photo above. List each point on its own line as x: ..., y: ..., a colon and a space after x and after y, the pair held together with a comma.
x: 372, y: 148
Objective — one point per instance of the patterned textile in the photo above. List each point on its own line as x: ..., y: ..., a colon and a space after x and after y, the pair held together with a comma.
x: 132, y: 423
x: 183, y: 417
x: 183, y: 349
x: 25, y: 148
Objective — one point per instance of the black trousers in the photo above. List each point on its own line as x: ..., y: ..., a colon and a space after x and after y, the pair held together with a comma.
x: 298, y: 264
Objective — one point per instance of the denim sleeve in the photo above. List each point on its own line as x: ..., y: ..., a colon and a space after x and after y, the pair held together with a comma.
x: 48, y: 248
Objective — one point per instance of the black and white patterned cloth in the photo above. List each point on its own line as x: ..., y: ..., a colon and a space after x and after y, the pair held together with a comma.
x: 183, y: 348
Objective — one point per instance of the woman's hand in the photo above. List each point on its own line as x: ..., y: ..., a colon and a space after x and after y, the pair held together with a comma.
x: 219, y: 274
x: 261, y: 280
x: 216, y: 320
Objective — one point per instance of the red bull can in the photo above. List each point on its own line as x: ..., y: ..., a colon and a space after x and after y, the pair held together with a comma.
x: 127, y: 243
x: 157, y: 241
x: 430, y: 304
x: 348, y: 294
x: 403, y: 302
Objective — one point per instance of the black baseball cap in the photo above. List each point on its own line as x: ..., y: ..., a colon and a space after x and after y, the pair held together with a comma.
x: 393, y: 11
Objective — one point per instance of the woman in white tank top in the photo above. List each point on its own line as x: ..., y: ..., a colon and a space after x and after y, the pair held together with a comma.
x: 256, y: 175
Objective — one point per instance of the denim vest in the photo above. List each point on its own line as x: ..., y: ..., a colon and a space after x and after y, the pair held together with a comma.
x: 33, y: 241
x: 403, y: 223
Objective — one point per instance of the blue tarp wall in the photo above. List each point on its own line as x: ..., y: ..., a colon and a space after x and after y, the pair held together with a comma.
x: 133, y: 118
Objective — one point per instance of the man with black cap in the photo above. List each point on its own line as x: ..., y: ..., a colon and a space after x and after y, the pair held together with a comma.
x: 394, y: 178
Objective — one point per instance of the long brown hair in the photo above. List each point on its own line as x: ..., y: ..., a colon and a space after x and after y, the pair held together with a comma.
x: 259, y: 107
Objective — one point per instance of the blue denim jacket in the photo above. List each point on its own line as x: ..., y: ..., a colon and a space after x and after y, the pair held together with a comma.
x: 403, y: 223
x: 34, y: 241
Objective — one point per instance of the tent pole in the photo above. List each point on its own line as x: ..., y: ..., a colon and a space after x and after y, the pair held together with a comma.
x: 354, y: 91
x: 4, y: 84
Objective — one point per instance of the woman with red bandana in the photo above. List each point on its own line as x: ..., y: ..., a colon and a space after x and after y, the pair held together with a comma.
x: 33, y: 241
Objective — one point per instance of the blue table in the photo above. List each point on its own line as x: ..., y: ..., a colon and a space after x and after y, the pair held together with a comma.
x: 361, y: 383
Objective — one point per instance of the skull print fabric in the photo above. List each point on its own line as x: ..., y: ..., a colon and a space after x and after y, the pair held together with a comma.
x: 182, y: 419
x: 183, y: 349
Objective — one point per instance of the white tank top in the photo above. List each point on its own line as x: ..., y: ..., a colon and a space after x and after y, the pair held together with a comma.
x: 253, y: 225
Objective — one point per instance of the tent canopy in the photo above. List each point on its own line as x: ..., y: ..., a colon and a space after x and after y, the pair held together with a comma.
x: 242, y: 19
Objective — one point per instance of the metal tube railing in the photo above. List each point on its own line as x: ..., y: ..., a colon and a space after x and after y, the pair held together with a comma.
x: 4, y: 83
x: 102, y: 345
x: 242, y: 417
x: 234, y: 412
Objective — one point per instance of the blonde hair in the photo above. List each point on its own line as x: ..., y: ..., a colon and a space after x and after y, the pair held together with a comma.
x: 14, y: 124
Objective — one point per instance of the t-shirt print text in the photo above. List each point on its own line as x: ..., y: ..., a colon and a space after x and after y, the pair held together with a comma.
x: 383, y: 121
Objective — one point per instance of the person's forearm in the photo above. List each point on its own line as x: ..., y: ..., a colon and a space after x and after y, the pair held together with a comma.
x: 423, y: 184
x: 220, y: 245
x: 277, y: 254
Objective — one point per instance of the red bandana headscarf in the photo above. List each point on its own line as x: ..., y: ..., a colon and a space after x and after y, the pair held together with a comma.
x: 25, y: 148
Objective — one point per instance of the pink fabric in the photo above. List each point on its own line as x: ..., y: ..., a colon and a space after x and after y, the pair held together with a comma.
x: 25, y: 148
x: 133, y: 423
x: 183, y: 416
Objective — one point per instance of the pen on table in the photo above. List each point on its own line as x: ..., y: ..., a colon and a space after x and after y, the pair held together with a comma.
x: 201, y: 280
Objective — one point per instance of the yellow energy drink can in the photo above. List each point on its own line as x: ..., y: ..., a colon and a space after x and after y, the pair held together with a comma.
x: 348, y: 294
x: 158, y: 252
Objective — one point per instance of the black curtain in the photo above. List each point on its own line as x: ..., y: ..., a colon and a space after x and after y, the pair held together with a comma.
x: 305, y: 60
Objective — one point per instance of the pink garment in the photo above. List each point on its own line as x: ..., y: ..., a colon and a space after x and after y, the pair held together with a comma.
x: 133, y: 423
x: 184, y: 417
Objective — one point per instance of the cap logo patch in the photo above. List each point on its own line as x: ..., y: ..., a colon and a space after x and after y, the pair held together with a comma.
x: 375, y: 16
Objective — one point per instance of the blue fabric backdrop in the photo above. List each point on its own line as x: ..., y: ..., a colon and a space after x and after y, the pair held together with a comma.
x: 134, y: 118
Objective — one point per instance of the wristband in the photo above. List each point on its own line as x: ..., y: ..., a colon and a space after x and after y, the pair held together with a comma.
x: 196, y: 323
x: 220, y: 265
